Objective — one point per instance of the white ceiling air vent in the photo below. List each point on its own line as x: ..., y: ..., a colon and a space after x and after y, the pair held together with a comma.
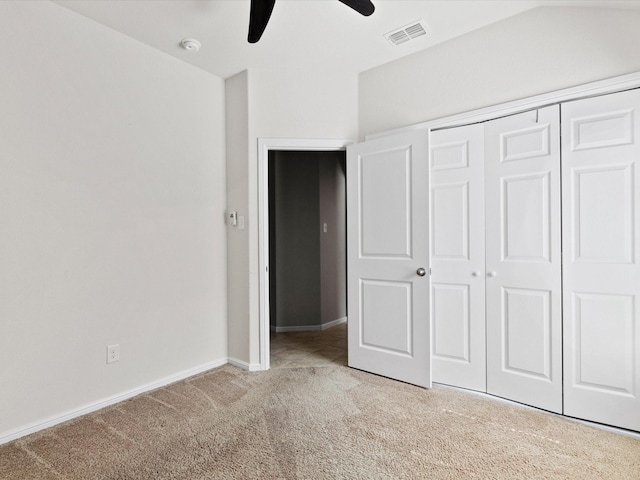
x: 406, y: 33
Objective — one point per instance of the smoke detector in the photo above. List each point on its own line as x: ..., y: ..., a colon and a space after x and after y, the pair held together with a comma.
x: 408, y: 32
x: 190, y: 44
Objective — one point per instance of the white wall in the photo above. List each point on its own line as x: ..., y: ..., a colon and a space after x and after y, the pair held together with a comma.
x: 112, y: 195
x: 291, y: 104
x: 538, y: 51
x: 237, y: 144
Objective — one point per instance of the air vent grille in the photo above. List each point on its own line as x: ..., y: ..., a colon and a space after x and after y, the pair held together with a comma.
x: 406, y: 33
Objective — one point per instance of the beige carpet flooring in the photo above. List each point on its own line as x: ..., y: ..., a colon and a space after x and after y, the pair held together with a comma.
x: 323, y: 421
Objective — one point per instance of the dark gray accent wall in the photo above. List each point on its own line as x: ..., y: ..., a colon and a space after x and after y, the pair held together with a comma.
x: 307, y: 265
x: 333, y: 254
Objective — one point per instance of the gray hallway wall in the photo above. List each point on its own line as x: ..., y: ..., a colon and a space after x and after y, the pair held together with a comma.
x: 308, y: 265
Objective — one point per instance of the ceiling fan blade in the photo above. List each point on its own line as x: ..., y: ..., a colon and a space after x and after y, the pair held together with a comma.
x: 259, y: 17
x: 363, y: 7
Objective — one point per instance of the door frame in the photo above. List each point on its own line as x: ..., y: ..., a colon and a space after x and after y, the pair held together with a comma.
x: 265, y: 145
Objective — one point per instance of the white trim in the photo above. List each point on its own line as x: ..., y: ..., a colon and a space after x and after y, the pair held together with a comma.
x: 602, y: 87
x: 488, y: 396
x: 250, y: 367
x: 309, y: 328
x: 333, y: 323
x: 92, y: 407
x: 298, y: 328
x: 264, y: 145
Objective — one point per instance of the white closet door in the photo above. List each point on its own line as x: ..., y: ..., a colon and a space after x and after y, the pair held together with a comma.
x: 523, y: 262
x: 457, y: 257
x: 601, y: 231
x: 388, y: 257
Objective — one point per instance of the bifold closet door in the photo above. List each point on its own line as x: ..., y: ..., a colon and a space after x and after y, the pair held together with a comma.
x: 457, y: 257
x: 601, y: 233
x: 523, y: 258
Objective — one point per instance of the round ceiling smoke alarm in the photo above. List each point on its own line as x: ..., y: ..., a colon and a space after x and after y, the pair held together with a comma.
x: 190, y: 44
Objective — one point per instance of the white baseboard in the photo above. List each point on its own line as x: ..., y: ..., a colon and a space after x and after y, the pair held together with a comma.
x: 11, y: 435
x: 298, y: 328
x: 310, y: 328
x: 251, y: 367
x: 333, y: 323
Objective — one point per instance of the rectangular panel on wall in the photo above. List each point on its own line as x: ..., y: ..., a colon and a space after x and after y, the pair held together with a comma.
x: 601, y: 225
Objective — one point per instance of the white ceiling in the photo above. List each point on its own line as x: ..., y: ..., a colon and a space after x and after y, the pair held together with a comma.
x: 302, y: 34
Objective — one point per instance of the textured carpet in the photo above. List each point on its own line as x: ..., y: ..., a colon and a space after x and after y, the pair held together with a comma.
x: 327, y: 422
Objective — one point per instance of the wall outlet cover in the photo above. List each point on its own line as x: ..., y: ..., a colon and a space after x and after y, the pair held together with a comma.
x: 113, y: 353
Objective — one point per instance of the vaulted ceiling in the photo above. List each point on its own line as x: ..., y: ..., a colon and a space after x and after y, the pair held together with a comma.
x: 302, y: 34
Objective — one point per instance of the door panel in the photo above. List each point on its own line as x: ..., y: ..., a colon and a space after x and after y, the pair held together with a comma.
x: 387, y: 242
x: 611, y: 369
x: 523, y: 263
x: 457, y: 257
x: 451, y: 236
x: 527, y: 339
x: 451, y: 329
x: 601, y: 231
x: 381, y: 214
x: 525, y: 212
x: 381, y: 301
x: 602, y: 202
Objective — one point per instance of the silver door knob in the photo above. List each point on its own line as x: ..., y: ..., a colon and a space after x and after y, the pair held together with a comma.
x: 492, y: 274
x: 475, y: 274
x: 421, y: 272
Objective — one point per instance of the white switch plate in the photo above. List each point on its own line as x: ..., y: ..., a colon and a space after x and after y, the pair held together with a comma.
x: 113, y: 353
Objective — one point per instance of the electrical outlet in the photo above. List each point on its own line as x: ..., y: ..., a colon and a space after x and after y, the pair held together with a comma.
x: 113, y: 353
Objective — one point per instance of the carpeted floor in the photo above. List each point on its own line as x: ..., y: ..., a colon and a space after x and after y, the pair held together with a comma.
x: 317, y: 422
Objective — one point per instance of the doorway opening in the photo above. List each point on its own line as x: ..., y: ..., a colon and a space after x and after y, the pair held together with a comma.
x: 307, y: 258
x: 302, y: 235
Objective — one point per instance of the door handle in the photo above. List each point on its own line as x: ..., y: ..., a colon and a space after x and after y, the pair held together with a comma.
x: 475, y: 274
x: 492, y: 274
x: 421, y: 272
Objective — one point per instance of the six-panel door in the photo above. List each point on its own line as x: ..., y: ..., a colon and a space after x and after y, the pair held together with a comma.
x: 523, y: 260
x: 601, y: 235
x: 457, y: 257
